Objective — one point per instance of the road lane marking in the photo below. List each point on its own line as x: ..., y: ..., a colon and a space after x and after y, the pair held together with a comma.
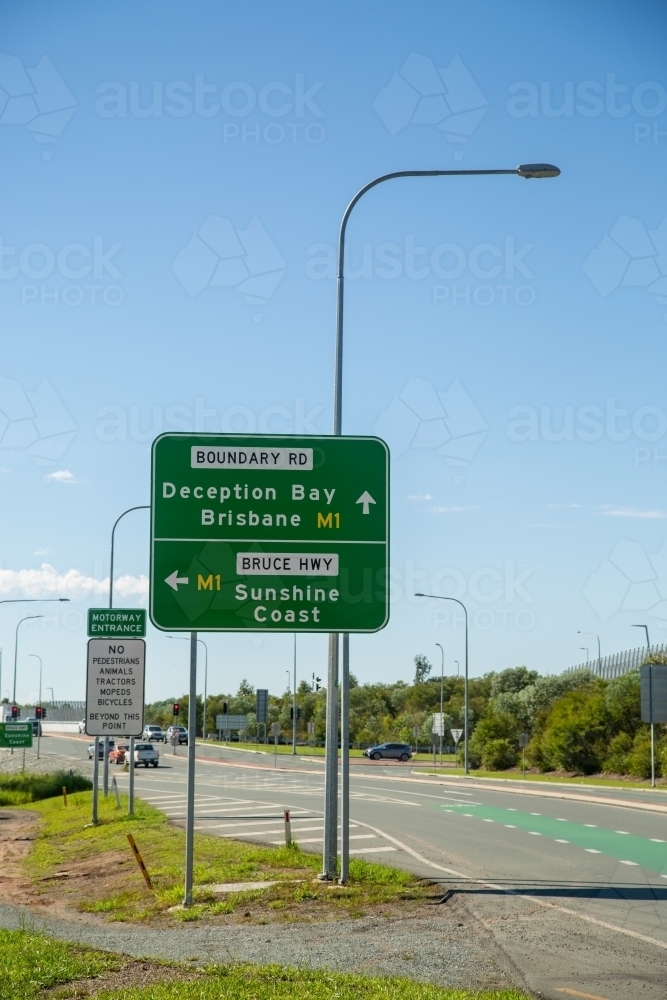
x: 562, y: 841
x: 534, y: 833
x: 512, y: 892
x: 624, y: 832
x: 559, y: 819
x: 656, y: 840
x: 593, y: 826
x: 510, y: 826
x: 487, y: 821
x: 629, y: 863
x: 372, y: 850
x: 591, y: 850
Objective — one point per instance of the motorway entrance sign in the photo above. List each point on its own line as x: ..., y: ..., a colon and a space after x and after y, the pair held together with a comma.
x: 15, y: 734
x: 115, y: 687
x: 121, y: 623
x: 269, y: 533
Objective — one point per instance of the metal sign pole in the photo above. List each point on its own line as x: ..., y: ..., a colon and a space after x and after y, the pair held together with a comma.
x: 192, y: 731
x: 650, y: 689
x: 345, y: 762
x: 330, y: 852
x: 96, y: 754
x: 106, y: 766
x: 130, y: 799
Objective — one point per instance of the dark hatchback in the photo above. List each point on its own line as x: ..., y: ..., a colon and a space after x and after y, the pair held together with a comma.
x: 389, y: 751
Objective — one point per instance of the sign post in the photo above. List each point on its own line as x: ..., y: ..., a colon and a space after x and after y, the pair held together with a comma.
x: 114, y: 695
x: 269, y: 534
x: 117, y: 623
x: 653, y: 701
x: 272, y: 533
x: 15, y: 734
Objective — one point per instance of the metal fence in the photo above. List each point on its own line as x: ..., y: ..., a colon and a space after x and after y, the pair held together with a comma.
x: 58, y: 711
x: 617, y: 664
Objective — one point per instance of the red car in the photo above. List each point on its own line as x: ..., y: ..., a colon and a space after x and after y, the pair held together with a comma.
x: 117, y: 755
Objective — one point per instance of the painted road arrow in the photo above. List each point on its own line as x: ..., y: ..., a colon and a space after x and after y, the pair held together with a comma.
x: 174, y: 579
x: 365, y: 499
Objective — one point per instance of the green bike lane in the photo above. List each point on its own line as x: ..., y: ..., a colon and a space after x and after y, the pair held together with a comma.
x: 621, y: 845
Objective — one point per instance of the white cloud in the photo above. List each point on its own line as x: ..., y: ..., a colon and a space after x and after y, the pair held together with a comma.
x: 420, y: 496
x: 61, y: 476
x: 47, y: 582
x: 651, y: 515
x: 452, y: 510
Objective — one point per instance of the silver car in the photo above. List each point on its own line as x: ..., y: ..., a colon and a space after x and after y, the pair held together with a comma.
x: 153, y: 733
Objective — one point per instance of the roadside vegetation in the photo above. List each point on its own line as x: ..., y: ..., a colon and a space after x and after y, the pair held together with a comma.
x: 35, y: 965
x: 93, y: 869
x: 578, y: 724
x: 18, y: 788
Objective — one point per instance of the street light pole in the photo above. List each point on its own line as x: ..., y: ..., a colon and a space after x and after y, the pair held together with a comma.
x: 599, y: 656
x: 294, y: 703
x: 27, y: 600
x: 587, y: 653
x: 528, y: 171
x: 39, y: 721
x: 465, y: 682
x: 442, y: 696
x: 16, y: 650
x: 130, y: 802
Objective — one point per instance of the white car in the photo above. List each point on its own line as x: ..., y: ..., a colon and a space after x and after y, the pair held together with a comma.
x: 145, y: 753
x: 153, y: 733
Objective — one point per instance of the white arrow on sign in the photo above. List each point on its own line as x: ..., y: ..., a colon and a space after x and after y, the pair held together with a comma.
x: 174, y: 579
x: 365, y: 499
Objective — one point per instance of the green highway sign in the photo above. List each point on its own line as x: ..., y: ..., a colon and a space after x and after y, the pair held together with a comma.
x: 15, y: 734
x: 269, y: 533
x: 117, y: 622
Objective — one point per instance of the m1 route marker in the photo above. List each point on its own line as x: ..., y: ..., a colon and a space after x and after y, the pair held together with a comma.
x: 269, y: 533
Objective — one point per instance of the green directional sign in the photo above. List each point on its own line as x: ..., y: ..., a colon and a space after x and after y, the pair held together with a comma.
x: 269, y: 533
x: 118, y: 622
x: 15, y: 734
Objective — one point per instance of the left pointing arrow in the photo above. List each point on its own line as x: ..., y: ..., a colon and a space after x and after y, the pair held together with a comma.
x: 174, y: 579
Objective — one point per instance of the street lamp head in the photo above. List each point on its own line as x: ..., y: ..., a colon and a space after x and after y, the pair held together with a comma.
x: 529, y: 170
x: 63, y: 599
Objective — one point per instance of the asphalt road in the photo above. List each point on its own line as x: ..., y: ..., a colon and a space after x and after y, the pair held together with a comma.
x: 571, y: 882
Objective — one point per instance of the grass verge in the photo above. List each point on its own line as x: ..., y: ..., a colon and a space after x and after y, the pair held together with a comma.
x: 303, y: 751
x: 17, y: 789
x: 32, y: 963
x: 93, y: 868
x: 551, y: 778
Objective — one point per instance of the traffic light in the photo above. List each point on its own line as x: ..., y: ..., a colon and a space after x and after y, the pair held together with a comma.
x: 317, y: 684
x: 291, y: 713
x: 176, y: 710
x: 225, y: 708
x: 38, y: 712
x: 16, y: 712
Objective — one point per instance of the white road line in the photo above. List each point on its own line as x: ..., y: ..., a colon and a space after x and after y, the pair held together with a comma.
x: 656, y: 840
x: 534, y: 833
x: 562, y: 841
x: 624, y: 832
x: 510, y: 826
x: 634, y: 863
x: 372, y: 850
x: 559, y: 819
x: 592, y: 826
x: 591, y: 850
x: 533, y: 899
x: 487, y: 821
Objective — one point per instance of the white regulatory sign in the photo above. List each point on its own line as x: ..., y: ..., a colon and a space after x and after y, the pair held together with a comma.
x: 115, y: 687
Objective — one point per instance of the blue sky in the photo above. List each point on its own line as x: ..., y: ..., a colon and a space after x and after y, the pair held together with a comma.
x: 506, y: 337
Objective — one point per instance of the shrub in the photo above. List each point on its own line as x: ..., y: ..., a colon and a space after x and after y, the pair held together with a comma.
x: 639, y: 758
x: 616, y: 760
x: 16, y: 789
x: 575, y: 734
x: 498, y: 755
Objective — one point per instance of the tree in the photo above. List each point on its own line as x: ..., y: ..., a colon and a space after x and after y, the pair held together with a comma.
x: 422, y: 668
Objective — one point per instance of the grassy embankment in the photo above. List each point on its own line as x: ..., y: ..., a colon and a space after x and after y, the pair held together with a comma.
x: 19, y: 788
x: 35, y: 966
x: 303, y: 751
x: 101, y: 874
